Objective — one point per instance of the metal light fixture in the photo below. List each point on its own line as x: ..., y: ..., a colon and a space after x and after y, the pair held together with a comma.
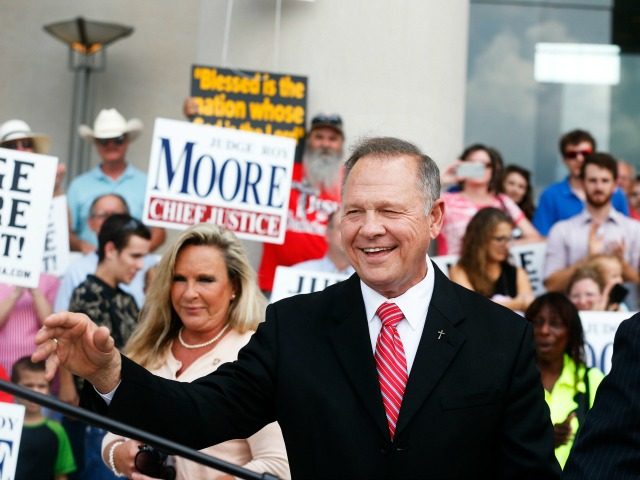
x: 86, y: 40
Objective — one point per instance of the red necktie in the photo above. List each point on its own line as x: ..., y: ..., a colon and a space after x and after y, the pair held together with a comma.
x: 391, y: 363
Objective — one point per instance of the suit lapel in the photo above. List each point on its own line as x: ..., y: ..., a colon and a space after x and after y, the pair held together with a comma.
x: 438, y: 346
x: 351, y: 342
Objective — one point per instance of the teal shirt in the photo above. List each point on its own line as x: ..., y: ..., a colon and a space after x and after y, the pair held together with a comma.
x: 131, y: 185
x: 561, y: 399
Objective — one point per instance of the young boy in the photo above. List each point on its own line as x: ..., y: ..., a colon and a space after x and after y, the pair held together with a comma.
x: 45, y: 452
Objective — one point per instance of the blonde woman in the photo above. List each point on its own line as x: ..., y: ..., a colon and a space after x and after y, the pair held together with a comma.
x: 201, y: 309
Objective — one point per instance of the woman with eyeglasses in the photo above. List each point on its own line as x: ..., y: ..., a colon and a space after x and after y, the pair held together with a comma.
x: 569, y: 385
x: 201, y: 309
x: 478, y: 174
x: 484, y: 261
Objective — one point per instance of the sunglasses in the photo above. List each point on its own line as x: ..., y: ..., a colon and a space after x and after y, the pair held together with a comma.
x: 116, y: 140
x: 574, y: 154
x: 18, y: 143
x: 327, y: 120
x: 151, y: 462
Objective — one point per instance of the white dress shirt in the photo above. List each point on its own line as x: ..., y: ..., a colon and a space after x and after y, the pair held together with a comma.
x: 414, y: 304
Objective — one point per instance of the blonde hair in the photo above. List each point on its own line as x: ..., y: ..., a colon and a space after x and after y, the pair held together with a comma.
x: 159, y: 323
x: 599, y: 262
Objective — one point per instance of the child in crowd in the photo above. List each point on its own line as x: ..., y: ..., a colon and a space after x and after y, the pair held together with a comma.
x: 45, y: 450
x: 611, y: 268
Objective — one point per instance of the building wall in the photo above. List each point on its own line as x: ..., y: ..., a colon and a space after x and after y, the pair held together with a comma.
x: 388, y: 67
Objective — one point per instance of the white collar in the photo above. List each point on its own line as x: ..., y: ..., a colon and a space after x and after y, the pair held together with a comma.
x: 414, y: 303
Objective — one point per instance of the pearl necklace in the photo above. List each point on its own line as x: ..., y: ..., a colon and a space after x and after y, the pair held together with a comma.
x: 200, y: 345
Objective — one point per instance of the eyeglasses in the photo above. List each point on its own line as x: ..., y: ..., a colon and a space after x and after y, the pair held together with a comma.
x: 18, y: 143
x: 572, y: 155
x: 116, y: 140
x: 322, y: 119
x: 502, y: 239
x: 151, y: 462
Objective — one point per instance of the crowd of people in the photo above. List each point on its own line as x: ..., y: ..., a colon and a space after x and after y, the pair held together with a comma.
x: 202, y: 302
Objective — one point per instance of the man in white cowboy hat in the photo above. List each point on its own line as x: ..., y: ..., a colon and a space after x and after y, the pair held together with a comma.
x: 111, y: 134
x: 17, y: 135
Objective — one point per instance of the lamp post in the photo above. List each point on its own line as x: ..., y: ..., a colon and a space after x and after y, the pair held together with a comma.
x: 86, y: 40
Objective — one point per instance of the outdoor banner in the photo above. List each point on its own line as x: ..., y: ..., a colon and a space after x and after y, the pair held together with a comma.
x: 11, y: 419
x: 56, y: 257
x: 530, y: 257
x: 201, y: 173
x: 260, y: 102
x: 26, y: 186
x: 599, y: 331
x: 291, y: 281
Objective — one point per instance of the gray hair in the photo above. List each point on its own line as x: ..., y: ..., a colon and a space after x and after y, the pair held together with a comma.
x: 388, y: 148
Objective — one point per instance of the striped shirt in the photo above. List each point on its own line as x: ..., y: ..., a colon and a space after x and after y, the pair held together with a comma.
x: 18, y: 332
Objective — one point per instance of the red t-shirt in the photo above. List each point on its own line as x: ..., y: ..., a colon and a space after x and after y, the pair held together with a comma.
x: 306, y: 226
x: 4, y: 396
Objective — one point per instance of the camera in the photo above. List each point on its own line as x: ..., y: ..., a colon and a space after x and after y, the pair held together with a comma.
x: 153, y: 462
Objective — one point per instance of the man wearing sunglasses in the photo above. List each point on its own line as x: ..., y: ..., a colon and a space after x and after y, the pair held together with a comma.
x: 315, y: 195
x: 566, y: 198
x: 111, y: 135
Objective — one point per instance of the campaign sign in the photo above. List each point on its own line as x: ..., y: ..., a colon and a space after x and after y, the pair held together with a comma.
x: 599, y: 331
x: 292, y: 281
x: 56, y: 256
x: 26, y: 186
x: 205, y: 174
x: 530, y: 257
x: 11, y: 418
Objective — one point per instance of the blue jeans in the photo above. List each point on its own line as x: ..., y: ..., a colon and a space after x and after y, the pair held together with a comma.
x: 89, y: 456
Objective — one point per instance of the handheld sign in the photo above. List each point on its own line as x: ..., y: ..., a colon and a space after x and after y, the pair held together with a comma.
x: 599, y: 332
x: 205, y: 174
x: 292, y: 281
x: 530, y: 257
x: 11, y: 419
x: 57, y: 257
x: 261, y: 102
x: 26, y: 186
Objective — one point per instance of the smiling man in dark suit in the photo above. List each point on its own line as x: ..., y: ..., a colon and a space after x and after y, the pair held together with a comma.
x: 394, y: 373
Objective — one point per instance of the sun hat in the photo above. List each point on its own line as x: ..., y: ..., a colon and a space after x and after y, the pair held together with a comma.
x: 18, y: 129
x: 111, y: 124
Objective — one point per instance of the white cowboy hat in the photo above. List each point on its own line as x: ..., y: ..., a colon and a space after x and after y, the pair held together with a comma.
x: 111, y: 124
x: 18, y: 129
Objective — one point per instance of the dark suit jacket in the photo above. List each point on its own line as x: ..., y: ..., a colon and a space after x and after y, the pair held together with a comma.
x: 608, y: 444
x: 473, y: 407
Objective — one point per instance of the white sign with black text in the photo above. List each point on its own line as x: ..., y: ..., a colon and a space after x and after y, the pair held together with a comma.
x: 292, y: 281
x: 26, y: 186
x: 56, y: 256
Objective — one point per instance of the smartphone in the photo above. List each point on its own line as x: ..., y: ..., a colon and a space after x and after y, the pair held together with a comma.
x: 618, y: 293
x: 470, y: 170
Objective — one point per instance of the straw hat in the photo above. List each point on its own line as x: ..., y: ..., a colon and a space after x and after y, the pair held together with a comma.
x: 18, y: 129
x: 111, y: 124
